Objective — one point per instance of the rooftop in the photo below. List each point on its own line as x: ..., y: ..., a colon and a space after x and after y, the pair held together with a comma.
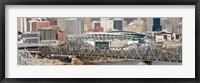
x: 47, y: 28
x: 103, y: 33
x: 31, y: 33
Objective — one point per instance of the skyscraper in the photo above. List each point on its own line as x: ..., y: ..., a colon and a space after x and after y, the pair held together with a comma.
x: 22, y: 24
x: 87, y: 25
x: 73, y: 26
x: 156, y: 24
x: 117, y: 24
x: 61, y: 22
x: 149, y: 24
x: 82, y: 24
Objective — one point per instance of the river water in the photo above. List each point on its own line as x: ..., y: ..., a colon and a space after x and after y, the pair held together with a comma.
x: 136, y: 62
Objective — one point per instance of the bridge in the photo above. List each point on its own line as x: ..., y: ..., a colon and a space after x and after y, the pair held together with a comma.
x: 25, y: 58
x: 146, y: 52
x: 33, y: 45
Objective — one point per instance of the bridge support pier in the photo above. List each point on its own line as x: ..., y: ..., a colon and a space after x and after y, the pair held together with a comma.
x: 145, y: 63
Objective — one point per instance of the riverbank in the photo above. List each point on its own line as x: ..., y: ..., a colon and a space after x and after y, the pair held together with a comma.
x: 108, y: 60
x: 52, y: 61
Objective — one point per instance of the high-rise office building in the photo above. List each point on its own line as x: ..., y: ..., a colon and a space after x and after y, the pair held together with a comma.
x: 87, y: 25
x: 82, y: 24
x: 47, y: 33
x: 73, y: 26
x: 117, y: 18
x: 156, y: 24
x: 34, y: 25
x: 61, y: 22
x: 22, y: 24
x: 107, y: 24
x: 118, y: 25
x: 149, y: 23
x: 64, y: 23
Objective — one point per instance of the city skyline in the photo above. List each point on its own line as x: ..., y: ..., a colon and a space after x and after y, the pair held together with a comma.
x: 173, y: 25
x: 99, y: 40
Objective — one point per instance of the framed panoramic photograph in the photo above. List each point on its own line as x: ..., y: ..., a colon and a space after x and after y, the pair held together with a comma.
x: 43, y: 41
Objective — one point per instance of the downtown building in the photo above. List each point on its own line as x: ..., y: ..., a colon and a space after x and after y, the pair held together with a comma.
x: 136, y: 25
x: 52, y: 34
x: 95, y: 19
x: 34, y: 25
x: 96, y: 24
x: 107, y: 24
x: 172, y: 25
x: 177, y: 25
x: 61, y: 35
x: 118, y: 25
x: 153, y: 24
x: 149, y: 24
x: 31, y: 37
x: 22, y: 24
x: 61, y: 22
x: 29, y: 25
x: 74, y: 27
x: 71, y: 25
x: 47, y: 35
x: 156, y: 25
x: 52, y: 21
x: 87, y: 24
x: 167, y: 24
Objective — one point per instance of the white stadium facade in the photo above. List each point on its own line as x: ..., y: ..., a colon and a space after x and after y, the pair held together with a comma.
x: 112, y: 39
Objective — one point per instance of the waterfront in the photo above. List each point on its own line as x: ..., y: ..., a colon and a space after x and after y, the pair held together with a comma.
x: 63, y: 60
x: 99, y: 41
x: 136, y: 62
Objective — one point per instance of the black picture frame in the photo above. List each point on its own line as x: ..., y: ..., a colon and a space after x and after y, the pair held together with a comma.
x: 3, y: 3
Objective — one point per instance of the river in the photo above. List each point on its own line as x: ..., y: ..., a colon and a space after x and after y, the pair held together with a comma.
x: 136, y: 62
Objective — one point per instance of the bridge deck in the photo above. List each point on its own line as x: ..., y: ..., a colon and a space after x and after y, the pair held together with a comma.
x: 141, y: 51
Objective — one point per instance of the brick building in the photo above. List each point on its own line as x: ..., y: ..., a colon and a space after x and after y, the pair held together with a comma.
x: 35, y: 25
x: 62, y: 36
x: 98, y: 29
